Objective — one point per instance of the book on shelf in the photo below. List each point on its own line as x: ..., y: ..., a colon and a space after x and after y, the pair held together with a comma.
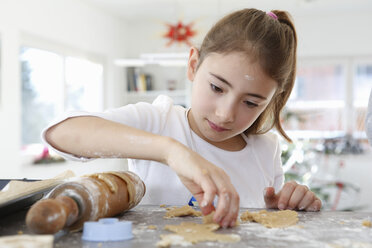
x: 137, y: 81
x: 131, y: 79
x: 148, y: 82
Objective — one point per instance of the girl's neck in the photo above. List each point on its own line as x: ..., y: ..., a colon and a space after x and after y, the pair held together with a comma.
x: 233, y: 144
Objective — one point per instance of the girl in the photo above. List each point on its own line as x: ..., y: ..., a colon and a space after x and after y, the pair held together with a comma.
x: 242, y: 76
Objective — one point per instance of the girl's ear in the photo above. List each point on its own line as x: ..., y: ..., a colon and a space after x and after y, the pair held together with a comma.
x: 192, y: 63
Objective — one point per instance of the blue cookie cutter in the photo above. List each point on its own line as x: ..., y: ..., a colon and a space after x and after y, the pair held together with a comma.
x: 107, y: 229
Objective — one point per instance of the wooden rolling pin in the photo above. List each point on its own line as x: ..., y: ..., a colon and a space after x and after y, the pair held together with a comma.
x: 88, y: 198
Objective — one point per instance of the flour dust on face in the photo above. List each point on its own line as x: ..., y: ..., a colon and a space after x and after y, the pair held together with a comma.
x: 225, y: 102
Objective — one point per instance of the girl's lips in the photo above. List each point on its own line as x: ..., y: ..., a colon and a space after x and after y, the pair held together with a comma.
x: 215, y: 127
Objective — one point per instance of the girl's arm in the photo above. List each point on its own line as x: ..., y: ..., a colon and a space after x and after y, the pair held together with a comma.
x: 95, y: 137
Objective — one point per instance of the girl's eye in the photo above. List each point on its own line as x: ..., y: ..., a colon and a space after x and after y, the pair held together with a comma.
x: 216, y: 89
x: 250, y: 104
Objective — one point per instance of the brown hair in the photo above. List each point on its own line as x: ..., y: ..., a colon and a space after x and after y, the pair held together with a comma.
x: 272, y: 41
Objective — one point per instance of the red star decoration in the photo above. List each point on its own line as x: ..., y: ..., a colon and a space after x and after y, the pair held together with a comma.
x: 180, y: 33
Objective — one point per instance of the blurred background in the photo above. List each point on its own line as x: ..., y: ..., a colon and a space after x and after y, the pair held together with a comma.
x: 60, y: 55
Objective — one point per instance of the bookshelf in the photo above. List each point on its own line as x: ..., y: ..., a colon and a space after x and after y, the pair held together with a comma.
x: 156, y: 74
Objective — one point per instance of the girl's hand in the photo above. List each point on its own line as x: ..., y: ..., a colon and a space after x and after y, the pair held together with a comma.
x: 205, y: 180
x: 292, y: 196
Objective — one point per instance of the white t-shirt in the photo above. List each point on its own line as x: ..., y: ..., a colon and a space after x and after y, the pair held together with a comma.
x: 256, y: 166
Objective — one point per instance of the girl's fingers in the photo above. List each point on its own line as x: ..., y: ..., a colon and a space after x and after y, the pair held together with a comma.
x: 230, y: 219
x: 228, y: 201
x: 209, y: 191
x: 315, y: 206
x: 223, y: 206
x: 307, y: 200
x: 206, y: 209
x: 227, y: 209
x: 286, y: 194
x: 297, y: 196
x: 271, y: 199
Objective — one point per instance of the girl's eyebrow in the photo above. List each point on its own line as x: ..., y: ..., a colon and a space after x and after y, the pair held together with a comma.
x: 221, y: 79
x: 230, y: 85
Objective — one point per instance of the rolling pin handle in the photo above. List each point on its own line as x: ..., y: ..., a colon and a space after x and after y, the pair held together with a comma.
x: 49, y: 216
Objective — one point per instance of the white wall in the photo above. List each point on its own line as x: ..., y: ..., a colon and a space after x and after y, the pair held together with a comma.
x: 342, y: 34
x: 67, y: 24
x: 339, y: 33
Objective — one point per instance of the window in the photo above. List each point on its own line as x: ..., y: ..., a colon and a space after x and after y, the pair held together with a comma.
x: 361, y: 89
x: 53, y: 83
x: 329, y: 98
x: 83, y: 84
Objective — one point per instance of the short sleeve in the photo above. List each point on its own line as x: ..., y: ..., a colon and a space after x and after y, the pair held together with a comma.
x: 145, y: 116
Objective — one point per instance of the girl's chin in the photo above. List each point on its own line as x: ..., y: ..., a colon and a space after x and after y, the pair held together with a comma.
x: 217, y: 138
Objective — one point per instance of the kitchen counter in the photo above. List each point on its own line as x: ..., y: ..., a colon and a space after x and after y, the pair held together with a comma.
x: 320, y: 229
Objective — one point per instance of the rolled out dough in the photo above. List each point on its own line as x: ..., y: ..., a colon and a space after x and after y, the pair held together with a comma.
x: 182, y: 211
x: 16, y: 189
x: 276, y: 219
x: 190, y: 233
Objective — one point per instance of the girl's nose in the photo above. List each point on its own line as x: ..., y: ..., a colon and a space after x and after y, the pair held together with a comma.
x: 225, y: 112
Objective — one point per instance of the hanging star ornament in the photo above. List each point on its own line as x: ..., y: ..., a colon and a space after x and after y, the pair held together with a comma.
x: 180, y: 33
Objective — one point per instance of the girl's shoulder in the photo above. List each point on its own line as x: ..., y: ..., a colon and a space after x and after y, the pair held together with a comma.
x: 269, y: 140
x: 166, y: 107
x: 161, y: 107
x: 152, y: 117
x: 265, y: 137
x: 164, y: 115
x: 163, y: 102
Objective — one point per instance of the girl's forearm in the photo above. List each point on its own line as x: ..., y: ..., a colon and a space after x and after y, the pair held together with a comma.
x: 95, y: 137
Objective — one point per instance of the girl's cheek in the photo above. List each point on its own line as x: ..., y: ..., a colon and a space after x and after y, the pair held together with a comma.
x: 207, y: 104
x: 246, y: 118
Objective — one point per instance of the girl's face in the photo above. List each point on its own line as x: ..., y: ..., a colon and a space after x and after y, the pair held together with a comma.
x: 229, y: 93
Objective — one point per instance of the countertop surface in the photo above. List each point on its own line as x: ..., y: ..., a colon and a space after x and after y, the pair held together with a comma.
x: 334, y: 229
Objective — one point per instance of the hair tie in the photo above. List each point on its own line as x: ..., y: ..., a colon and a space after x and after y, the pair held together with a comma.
x: 272, y: 15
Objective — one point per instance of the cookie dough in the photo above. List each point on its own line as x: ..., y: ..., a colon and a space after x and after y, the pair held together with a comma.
x: 276, y: 219
x: 367, y: 223
x: 182, y: 211
x: 207, y: 219
x: 190, y: 233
